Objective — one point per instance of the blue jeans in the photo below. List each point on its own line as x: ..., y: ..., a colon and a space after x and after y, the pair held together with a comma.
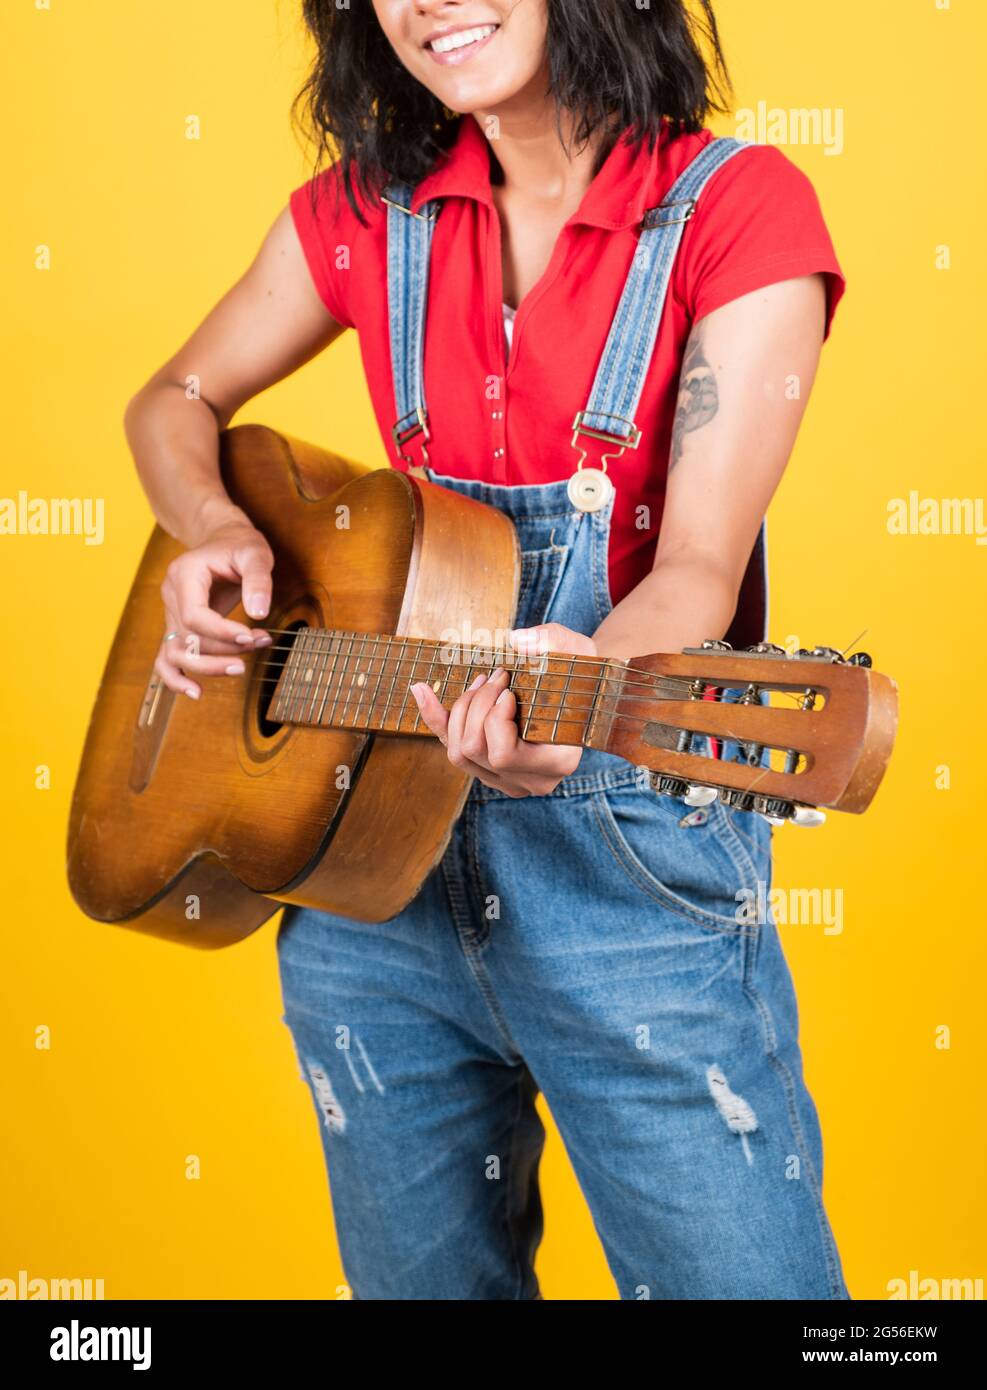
x: 586, y: 944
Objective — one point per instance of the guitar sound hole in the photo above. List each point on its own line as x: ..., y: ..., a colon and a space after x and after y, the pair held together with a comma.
x: 279, y: 652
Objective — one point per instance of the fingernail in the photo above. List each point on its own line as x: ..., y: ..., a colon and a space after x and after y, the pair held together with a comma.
x: 498, y: 672
x: 503, y: 695
x: 256, y: 605
x: 478, y: 681
x: 193, y: 694
x: 244, y: 637
x: 262, y: 641
x: 415, y: 690
x: 235, y: 668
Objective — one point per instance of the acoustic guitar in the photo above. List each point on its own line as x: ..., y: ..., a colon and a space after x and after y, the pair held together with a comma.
x: 312, y: 778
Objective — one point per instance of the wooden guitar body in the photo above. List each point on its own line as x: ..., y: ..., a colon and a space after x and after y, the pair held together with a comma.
x: 195, y: 820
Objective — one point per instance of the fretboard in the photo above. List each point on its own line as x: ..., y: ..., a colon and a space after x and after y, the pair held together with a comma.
x: 349, y: 680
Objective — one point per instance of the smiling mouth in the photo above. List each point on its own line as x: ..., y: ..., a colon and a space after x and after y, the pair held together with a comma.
x: 462, y: 41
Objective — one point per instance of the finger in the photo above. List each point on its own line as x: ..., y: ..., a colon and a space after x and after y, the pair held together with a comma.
x: 552, y: 637
x: 172, y: 678
x: 438, y: 719
x: 187, y: 593
x: 457, y: 721
x: 433, y: 712
x: 165, y: 663
x: 188, y: 658
x: 254, y: 564
x: 503, y: 743
x: 473, y: 741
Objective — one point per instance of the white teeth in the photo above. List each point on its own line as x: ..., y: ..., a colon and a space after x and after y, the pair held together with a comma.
x: 462, y: 39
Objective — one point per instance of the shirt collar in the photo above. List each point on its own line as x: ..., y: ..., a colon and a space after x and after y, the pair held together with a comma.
x: 618, y: 197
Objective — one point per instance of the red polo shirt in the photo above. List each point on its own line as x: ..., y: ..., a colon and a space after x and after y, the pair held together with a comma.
x: 510, y: 421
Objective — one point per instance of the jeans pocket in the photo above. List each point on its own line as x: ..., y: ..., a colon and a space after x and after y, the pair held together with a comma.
x: 688, y: 868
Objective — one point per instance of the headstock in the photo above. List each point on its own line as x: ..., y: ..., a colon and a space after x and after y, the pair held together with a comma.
x: 823, y: 737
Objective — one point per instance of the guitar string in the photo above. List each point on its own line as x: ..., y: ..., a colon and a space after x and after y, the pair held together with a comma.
x: 309, y: 695
x: 512, y: 655
x: 597, y: 665
x: 309, y: 691
x: 662, y: 687
x: 296, y: 697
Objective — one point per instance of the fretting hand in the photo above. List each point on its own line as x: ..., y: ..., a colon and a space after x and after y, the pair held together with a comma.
x: 480, y: 732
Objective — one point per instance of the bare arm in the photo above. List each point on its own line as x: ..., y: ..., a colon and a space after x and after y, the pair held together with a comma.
x: 737, y: 419
x: 746, y: 378
x: 263, y: 329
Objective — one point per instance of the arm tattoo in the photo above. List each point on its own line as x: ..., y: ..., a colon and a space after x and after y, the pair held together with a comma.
x: 698, y: 397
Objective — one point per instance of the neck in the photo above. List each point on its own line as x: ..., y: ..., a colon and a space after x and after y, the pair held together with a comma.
x: 533, y: 162
x: 349, y: 680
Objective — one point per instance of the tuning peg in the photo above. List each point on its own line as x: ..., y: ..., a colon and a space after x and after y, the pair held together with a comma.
x: 808, y: 815
x: 700, y: 796
x: 860, y: 659
x: 774, y: 807
x: 827, y: 654
x: 668, y: 786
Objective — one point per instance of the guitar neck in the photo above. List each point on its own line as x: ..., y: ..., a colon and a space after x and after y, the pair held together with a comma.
x: 351, y: 680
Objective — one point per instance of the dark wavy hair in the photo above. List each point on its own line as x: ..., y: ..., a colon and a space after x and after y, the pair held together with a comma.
x: 611, y: 64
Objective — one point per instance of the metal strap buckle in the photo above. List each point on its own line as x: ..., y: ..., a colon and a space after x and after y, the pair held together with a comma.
x: 630, y: 442
x: 688, y: 203
x: 402, y: 436
x: 422, y: 217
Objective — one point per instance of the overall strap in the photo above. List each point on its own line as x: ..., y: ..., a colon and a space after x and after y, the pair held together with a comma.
x: 409, y: 245
x: 620, y: 377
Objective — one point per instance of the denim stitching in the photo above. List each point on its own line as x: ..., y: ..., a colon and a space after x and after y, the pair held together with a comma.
x: 739, y: 856
x: 711, y: 921
x: 466, y: 934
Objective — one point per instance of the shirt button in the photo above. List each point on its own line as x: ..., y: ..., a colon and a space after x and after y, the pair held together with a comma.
x: 498, y: 453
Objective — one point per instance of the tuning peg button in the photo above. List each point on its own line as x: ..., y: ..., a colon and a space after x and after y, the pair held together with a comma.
x: 808, y: 815
x: 700, y: 796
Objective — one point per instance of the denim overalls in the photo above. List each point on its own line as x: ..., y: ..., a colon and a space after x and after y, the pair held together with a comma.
x: 586, y: 944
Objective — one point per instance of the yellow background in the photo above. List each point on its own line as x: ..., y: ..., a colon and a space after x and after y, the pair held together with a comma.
x: 159, y: 1052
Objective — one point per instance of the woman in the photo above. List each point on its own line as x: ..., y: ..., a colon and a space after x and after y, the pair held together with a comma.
x: 581, y: 934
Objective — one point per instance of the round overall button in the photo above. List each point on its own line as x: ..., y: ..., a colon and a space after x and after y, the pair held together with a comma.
x: 589, y: 489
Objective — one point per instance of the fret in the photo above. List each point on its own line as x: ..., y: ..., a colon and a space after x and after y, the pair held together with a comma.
x: 358, y: 679
x: 374, y: 708
x: 334, y: 638
x: 533, y: 702
x: 467, y: 669
x: 319, y: 664
x: 291, y: 673
x: 563, y: 698
x: 414, y: 681
x: 278, y: 710
x: 339, y: 684
x: 450, y: 667
x: 388, y: 703
x: 357, y: 682
x: 591, y: 718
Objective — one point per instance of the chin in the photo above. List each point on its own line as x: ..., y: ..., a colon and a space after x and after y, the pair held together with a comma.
x: 466, y: 100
